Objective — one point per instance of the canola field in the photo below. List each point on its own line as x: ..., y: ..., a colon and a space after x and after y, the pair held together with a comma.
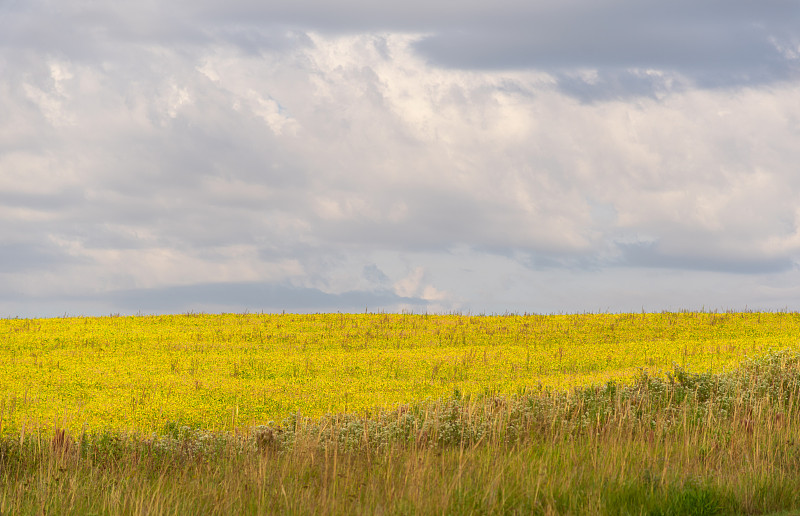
x: 143, y: 374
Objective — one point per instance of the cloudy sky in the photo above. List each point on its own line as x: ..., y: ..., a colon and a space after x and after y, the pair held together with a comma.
x: 473, y: 156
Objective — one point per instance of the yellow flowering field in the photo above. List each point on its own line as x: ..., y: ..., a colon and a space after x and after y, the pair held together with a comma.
x: 223, y: 372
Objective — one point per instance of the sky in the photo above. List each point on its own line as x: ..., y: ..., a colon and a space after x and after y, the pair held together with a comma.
x: 538, y: 156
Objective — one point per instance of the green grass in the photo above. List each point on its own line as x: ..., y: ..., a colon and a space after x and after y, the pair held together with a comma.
x: 684, y: 443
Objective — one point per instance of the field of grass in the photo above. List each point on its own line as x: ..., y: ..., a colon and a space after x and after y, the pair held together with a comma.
x: 673, y: 413
x: 222, y: 372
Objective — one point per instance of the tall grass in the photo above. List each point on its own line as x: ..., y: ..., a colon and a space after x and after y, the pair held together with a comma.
x: 684, y: 443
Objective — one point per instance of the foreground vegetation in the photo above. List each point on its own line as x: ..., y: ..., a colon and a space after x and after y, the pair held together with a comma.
x: 227, y: 372
x: 679, y: 443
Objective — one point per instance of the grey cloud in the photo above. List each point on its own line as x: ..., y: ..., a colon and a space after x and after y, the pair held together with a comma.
x: 254, y: 297
x: 18, y: 257
x: 88, y: 31
x: 609, y: 38
x: 545, y: 260
x: 374, y: 275
x: 47, y: 202
x: 434, y: 220
x: 714, y: 42
x: 204, y: 297
x: 256, y: 39
x: 605, y: 85
x: 649, y: 255
x: 555, y: 261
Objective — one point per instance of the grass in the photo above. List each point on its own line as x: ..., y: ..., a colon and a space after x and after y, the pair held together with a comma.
x: 222, y: 372
x: 679, y: 443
